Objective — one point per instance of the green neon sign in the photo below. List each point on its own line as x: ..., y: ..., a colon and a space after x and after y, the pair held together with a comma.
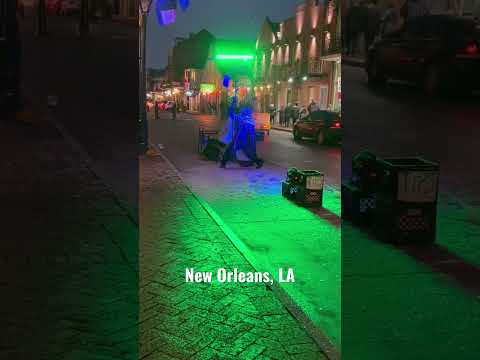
x: 234, y: 57
x: 207, y: 88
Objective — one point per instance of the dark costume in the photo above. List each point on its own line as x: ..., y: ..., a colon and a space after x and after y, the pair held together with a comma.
x: 240, y: 138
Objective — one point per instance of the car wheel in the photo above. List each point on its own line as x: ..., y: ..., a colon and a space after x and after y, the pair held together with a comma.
x: 431, y: 83
x: 375, y: 77
x: 320, y: 137
x: 296, y: 135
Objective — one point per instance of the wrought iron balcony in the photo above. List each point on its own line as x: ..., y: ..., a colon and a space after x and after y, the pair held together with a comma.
x: 335, y: 46
x: 315, y: 66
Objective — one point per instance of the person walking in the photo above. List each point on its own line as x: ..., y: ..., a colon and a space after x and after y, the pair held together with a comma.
x: 295, y: 113
x: 174, y: 110
x: 229, y: 134
x: 312, y: 107
x: 281, y: 115
x: 245, y: 144
x: 272, y: 111
x: 288, y: 115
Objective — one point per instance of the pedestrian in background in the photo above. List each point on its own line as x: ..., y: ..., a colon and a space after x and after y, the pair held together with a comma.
x: 272, y: 111
x: 295, y: 113
x: 288, y: 115
x: 281, y: 115
x: 174, y: 110
x: 312, y: 106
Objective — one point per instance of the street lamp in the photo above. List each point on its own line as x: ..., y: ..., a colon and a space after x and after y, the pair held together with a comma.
x: 144, y: 6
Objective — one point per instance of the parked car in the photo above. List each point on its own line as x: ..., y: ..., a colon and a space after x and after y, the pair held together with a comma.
x: 323, y: 126
x: 69, y: 7
x: 440, y: 52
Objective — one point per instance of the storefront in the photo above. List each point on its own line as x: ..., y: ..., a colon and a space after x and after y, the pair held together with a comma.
x: 334, y: 82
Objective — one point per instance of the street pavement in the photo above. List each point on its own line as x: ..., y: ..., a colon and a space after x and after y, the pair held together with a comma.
x: 273, y: 231
x: 68, y: 251
x: 180, y: 320
x: 69, y: 247
x: 96, y: 85
x: 410, y: 302
x: 278, y: 148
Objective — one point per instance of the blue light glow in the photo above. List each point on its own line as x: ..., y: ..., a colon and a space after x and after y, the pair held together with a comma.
x: 184, y: 4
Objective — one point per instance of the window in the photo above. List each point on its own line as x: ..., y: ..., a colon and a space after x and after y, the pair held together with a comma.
x: 328, y: 37
x: 330, y: 12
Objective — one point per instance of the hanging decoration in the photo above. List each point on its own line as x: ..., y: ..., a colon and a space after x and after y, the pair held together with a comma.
x: 184, y: 4
x: 166, y: 11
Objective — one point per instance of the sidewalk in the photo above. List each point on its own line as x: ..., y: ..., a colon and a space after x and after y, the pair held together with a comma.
x: 68, y: 265
x: 180, y: 320
x: 282, y: 128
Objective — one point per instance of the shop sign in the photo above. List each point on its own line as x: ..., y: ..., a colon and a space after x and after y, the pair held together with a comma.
x: 207, y: 88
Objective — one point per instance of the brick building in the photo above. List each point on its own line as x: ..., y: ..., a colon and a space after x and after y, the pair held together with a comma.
x: 298, y: 59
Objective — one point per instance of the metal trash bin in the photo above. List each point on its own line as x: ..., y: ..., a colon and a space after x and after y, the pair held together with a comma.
x: 358, y: 205
x: 359, y: 194
x: 406, y: 200
x: 304, y: 187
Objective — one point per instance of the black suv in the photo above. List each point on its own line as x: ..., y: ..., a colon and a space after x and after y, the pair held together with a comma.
x: 440, y: 52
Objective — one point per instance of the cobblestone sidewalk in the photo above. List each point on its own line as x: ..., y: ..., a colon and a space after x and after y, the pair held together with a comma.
x: 68, y: 253
x: 180, y: 320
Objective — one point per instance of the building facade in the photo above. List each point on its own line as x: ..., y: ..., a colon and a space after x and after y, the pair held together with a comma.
x: 298, y: 59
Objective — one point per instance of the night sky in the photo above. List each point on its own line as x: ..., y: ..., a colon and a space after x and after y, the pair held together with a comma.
x: 227, y: 19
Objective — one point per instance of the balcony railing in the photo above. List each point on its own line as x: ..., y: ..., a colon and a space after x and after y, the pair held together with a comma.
x: 335, y: 46
x: 315, y: 66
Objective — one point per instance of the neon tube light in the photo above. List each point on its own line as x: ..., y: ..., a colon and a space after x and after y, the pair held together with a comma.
x: 234, y: 57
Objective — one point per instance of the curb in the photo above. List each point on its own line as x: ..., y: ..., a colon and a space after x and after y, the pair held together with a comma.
x: 281, y: 129
x: 316, y: 334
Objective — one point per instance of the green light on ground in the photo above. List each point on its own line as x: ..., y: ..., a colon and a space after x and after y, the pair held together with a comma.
x: 234, y: 57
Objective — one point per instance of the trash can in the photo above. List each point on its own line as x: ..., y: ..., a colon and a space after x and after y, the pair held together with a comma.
x: 406, y: 200
x: 304, y: 187
x: 359, y: 194
x: 358, y: 205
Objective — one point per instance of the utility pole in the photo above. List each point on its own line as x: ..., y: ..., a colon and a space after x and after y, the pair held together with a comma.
x: 142, y: 119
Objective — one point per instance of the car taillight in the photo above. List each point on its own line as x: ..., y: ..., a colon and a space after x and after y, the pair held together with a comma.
x: 472, y: 49
x: 337, y: 124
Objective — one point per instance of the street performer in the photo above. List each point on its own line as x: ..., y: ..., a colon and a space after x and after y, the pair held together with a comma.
x: 239, y: 136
